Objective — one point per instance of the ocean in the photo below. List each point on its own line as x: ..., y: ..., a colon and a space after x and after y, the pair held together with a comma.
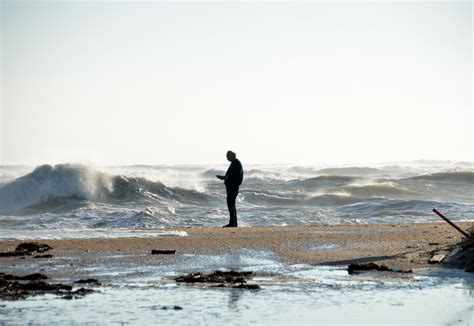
x: 74, y: 201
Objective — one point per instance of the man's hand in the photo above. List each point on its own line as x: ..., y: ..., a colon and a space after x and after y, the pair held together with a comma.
x: 220, y: 177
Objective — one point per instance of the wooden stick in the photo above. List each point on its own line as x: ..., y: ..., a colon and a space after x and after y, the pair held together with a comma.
x: 452, y: 224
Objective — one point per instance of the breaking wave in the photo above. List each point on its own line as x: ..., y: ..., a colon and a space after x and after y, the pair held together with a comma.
x: 455, y: 177
x: 67, y: 186
x: 376, y: 189
x: 267, y: 198
x: 324, y: 181
x: 351, y: 171
x: 334, y: 200
x: 61, y: 181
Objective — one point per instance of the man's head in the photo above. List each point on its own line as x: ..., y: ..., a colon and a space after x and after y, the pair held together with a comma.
x: 231, y: 156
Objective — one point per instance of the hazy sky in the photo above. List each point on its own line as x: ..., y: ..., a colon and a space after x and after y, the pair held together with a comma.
x: 176, y: 82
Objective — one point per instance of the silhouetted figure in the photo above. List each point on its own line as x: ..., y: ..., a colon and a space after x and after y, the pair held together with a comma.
x: 232, y: 180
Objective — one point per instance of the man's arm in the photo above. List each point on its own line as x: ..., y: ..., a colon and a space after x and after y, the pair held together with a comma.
x: 222, y: 177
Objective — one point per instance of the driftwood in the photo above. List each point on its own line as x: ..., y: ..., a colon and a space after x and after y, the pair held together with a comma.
x: 354, y: 268
x: 464, y: 233
x: 163, y: 252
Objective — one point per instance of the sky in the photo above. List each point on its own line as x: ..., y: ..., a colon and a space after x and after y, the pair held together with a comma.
x: 278, y: 82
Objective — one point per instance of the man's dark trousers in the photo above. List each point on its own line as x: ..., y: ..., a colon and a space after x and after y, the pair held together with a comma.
x: 231, y: 197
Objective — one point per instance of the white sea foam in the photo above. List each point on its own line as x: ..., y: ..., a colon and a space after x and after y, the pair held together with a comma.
x: 87, y: 234
x: 145, y: 198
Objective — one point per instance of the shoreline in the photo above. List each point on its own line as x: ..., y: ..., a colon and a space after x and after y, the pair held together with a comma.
x: 404, y: 246
x: 242, y: 276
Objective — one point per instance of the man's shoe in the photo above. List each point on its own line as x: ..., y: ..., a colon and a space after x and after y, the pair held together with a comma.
x: 229, y: 226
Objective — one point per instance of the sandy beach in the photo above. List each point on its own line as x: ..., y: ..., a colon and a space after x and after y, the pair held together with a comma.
x: 298, y: 275
x: 406, y: 246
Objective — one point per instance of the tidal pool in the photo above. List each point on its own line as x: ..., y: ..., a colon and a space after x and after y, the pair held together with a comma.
x: 290, y: 294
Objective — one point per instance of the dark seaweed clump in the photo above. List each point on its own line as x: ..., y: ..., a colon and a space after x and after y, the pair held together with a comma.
x: 14, y: 287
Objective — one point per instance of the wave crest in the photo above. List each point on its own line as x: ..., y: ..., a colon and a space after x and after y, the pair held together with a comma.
x: 456, y: 177
x: 325, y: 181
x: 376, y: 189
x: 59, y: 181
x: 68, y: 186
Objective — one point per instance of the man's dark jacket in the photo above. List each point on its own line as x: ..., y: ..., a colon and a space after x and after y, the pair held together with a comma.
x: 235, y: 175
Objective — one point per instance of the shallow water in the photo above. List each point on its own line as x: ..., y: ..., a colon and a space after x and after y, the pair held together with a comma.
x: 291, y: 294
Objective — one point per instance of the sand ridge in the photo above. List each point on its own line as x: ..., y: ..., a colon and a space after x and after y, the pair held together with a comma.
x: 407, y: 246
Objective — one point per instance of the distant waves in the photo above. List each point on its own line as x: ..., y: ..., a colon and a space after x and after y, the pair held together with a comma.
x: 79, y: 197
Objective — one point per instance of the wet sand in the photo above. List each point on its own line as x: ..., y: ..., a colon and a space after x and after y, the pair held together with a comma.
x: 289, y: 264
x: 405, y: 246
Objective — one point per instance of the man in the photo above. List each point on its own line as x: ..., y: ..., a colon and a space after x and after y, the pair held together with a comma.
x: 232, y: 180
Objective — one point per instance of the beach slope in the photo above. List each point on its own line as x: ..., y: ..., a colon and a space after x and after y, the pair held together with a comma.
x: 404, y: 246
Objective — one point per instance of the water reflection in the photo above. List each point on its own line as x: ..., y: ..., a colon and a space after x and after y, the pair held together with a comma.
x: 234, y: 260
x: 469, y: 287
x: 234, y: 297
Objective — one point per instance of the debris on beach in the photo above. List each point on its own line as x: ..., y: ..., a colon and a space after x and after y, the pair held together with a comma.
x: 171, y: 308
x: 468, y: 252
x: 232, y: 279
x: 463, y: 255
x: 91, y: 281
x: 163, y: 252
x: 29, y: 277
x: 464, y: 233
x: 14, y: 287
x: 463, y: 258
x: 239, y: 286
x: 28, y: 249
x: 79, y: 293
x: 436, y: 259
x: 215, y: 277
x: 43, y: 256
x: 355, y: 268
